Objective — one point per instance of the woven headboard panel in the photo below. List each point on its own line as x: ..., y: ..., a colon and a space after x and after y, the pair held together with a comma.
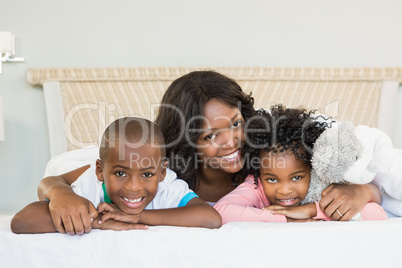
x: 92, y: 98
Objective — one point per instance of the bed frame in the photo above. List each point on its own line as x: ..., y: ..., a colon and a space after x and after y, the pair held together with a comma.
x: 81, y: 102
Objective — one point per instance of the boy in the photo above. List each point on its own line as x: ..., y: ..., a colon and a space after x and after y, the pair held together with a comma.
x: 133, y: 188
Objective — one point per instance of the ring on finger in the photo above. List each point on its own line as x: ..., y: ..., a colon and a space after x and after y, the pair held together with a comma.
x: 340, y: 214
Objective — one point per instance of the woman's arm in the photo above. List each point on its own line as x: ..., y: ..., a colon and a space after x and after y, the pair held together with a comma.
x: 348, y: 199
x: 69, y: 212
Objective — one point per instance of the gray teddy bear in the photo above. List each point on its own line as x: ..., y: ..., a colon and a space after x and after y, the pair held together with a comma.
x: 338, y: 157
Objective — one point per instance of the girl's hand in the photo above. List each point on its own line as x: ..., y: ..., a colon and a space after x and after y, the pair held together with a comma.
x: 306, y: 211
x: 71, y: 213
x: 302, y: 220
x: 342, y: 202
x: 110, y: 211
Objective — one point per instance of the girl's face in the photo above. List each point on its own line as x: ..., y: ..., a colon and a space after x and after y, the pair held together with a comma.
x: 284, y: 178
x: 222, y: 136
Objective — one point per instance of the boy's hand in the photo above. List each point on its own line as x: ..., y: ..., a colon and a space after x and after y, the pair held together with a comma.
x: 307, y: 211
x: 71, y: 213
x: 114, y: 225
x: 110, y: 211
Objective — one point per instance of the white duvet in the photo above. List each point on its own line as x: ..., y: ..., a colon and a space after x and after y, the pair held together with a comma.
x: 318, y: 244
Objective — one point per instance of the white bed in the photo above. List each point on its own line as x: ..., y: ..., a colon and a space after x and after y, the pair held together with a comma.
x: 78, y: 111
x: 329, y: 244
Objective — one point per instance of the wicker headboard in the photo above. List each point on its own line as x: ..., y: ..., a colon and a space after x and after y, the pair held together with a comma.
x: 80, y: 103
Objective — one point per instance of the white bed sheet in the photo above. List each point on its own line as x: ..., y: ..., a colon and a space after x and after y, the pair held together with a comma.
x: 317, y: 244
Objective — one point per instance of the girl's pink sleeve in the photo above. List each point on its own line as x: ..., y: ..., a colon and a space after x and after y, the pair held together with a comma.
x: 245, y: 204
x: 320, y: 213
x: 373, y: 211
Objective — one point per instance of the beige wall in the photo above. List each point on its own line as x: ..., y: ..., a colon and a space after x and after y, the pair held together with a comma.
x: 127, y: 33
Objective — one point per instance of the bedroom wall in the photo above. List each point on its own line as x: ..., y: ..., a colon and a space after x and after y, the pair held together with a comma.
x: 126, y: 33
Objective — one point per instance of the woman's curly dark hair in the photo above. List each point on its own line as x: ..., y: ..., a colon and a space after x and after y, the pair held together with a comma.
x: 278, y: 130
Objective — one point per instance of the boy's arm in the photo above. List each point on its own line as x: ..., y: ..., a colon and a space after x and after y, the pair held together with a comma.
x: 49, y: 186
x: 196, y: 213
x: 32, y: 219
x: 69, y: 212
x: 35, y: 218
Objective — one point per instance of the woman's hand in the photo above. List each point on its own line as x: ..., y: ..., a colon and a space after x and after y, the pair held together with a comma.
x: 342, y: 202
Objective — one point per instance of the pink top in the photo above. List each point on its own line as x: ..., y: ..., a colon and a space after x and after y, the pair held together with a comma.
x: 245, y: 203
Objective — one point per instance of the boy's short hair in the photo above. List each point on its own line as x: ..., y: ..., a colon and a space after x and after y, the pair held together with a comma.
x: 134, y: 131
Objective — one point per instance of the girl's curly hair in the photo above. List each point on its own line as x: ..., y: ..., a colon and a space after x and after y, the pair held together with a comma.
x: 278, y: 130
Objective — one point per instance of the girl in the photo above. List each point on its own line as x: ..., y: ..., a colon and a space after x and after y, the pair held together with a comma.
x: 202, y: 117
x: 279, y: 152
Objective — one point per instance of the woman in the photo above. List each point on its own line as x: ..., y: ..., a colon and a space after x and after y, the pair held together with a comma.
x: 202, y: 117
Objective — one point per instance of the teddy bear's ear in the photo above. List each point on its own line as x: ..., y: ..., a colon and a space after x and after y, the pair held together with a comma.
x: 335, y: 151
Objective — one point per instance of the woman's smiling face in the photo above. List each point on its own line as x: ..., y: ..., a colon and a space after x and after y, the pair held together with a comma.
x: 222, y: 136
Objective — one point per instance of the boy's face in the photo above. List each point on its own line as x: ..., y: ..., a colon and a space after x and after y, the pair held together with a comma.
x: 132, y: 179
x: 285, y: 179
